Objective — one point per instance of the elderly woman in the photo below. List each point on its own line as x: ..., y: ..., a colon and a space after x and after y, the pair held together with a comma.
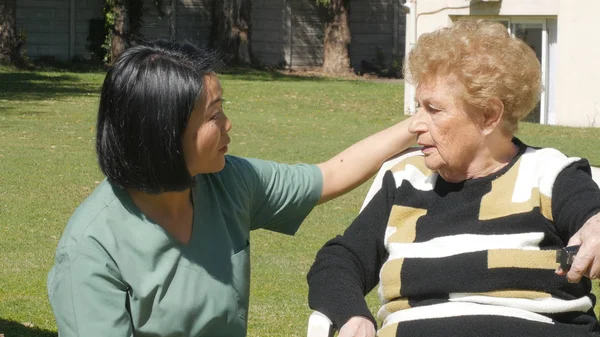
x: 462, y: 236
x: 161, y: 247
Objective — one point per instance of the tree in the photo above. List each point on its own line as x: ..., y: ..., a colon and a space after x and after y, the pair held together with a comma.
x: 119, y: 32
x: 123, y: 20
x: 336, y: 59
x: 231, y: 30
x: 10, y: 42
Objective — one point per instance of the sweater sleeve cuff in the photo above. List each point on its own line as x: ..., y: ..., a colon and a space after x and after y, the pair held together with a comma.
x: 339, y: 307
x: 340, y: 316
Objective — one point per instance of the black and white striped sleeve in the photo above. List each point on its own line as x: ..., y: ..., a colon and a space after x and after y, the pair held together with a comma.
x: 347, y: 267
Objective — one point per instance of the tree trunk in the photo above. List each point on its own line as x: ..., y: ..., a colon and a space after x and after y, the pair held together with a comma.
x: 231, y: 30
x: 120, y: 33
x: 336, y: 39
x: 10, y: 44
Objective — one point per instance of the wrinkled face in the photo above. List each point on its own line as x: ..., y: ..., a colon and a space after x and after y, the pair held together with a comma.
x: 205, y: 138
x: 451, y: 139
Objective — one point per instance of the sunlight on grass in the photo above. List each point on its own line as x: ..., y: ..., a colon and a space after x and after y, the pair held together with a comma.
x: 48, y: 166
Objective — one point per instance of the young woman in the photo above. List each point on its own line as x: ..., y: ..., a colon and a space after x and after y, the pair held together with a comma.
x: 161, y: 247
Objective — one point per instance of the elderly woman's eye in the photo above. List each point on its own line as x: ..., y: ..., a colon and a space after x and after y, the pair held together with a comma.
x: 433, y: 108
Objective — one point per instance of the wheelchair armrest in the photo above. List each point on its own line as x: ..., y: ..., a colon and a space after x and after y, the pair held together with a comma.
x: 596, y: 174
x: 319, y: 325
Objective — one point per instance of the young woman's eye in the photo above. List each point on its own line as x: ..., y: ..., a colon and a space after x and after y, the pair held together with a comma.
x: 216, y: 115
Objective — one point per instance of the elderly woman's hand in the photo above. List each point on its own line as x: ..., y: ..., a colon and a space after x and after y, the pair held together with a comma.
x: 357, y: 326
x: 587, y: 260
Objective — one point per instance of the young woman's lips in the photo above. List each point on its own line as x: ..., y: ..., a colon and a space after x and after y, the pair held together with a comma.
x: 225, y: 148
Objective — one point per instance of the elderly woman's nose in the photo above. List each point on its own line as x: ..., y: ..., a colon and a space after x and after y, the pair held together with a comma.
x: 417, y: 124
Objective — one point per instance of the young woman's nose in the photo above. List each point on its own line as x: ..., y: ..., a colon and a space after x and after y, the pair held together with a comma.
x: 228, y: 124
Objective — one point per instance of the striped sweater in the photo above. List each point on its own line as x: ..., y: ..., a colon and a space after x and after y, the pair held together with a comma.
x: 468, y: 258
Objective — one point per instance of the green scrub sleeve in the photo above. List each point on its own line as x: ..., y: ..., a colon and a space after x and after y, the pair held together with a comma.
x: 282, y: 195
x: 87, y: 297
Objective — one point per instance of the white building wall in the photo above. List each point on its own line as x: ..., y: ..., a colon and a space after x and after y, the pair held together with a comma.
x: 578, y: 72
x: 578, y: 87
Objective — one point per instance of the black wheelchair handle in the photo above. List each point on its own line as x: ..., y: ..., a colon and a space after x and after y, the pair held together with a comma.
x: 565, y: 256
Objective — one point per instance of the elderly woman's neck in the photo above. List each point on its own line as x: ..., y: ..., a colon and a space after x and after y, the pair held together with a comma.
x: 496, y: 152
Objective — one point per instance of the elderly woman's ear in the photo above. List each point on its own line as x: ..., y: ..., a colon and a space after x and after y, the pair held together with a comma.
x: 492, y: 115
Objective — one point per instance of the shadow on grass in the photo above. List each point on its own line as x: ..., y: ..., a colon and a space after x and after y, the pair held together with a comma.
x: 250, y: 74
x: 51, y: 64
x: 14, y: 329
x: 31, y: 85
x: 35, y: 86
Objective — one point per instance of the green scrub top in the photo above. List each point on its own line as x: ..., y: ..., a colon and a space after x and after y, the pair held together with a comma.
x: 117, y: 273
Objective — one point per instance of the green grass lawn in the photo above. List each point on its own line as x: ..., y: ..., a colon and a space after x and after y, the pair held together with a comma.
x: 48, y: 166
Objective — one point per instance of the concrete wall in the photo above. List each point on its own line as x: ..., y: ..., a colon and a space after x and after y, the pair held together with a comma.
x: 271, y: 28
x: 193, y: 22
x: 157, y: 23
x: 378, y: 32
x: 577, y: 79
x: 307, y: 34
x: 85, y: 10
x: 181, y: 20
x: 284, y: 32
x: 47, y: 26
x: 287, y: 33
x: 290, y: 32
x: 50, y: 31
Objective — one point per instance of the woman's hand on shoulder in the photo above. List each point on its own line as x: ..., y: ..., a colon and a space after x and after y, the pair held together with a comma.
x: 587, y: 260
x: 357, y: 326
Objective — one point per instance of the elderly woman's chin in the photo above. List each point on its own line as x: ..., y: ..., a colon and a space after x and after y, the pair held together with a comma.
x: 435, y: 161
x: 436, y: 164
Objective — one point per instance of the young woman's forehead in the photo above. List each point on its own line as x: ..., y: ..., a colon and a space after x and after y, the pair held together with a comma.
x: 212, y: 85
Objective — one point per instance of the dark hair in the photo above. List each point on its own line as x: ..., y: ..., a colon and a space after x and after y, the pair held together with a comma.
x: 147, y: 98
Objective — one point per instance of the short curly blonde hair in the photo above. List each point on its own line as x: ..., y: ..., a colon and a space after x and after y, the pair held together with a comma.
x: 486, y: 60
